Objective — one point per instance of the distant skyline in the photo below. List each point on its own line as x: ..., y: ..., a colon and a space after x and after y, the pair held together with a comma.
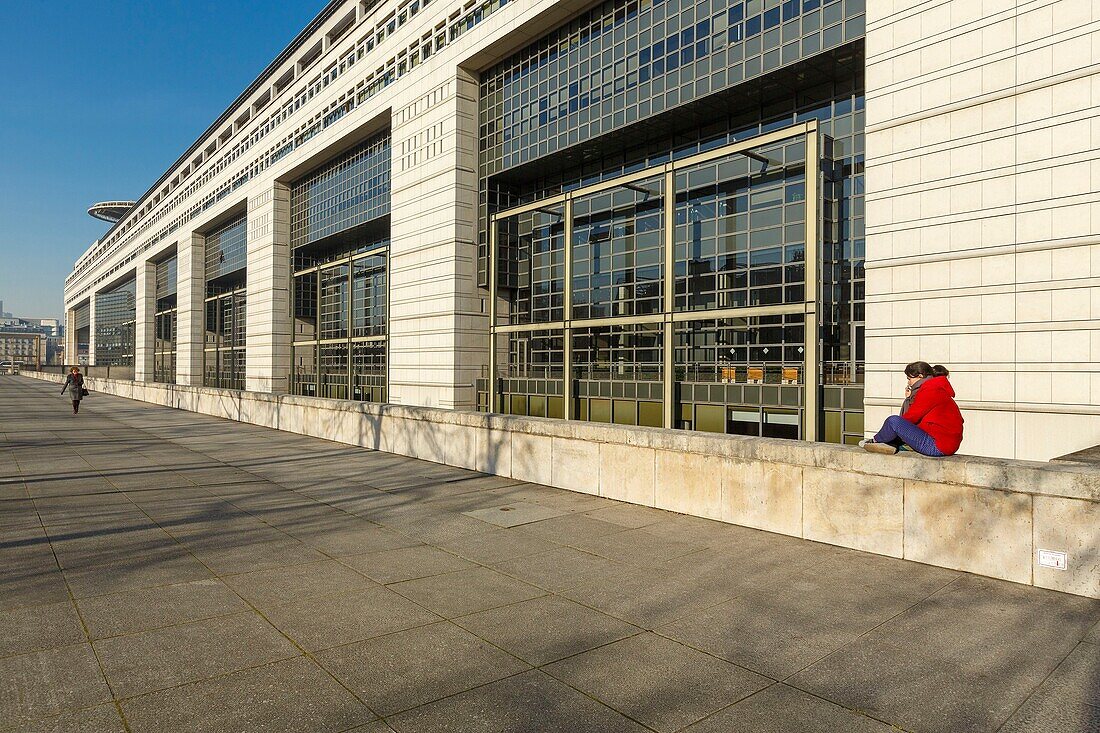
x: 99, y: 99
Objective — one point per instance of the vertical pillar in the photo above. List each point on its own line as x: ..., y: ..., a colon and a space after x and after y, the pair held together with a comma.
x: 91, y: 329
x: 190, y: 308
x: 814, y: 209
x: 72, y: 354
x: 268, y: 327
x: 145, y: 277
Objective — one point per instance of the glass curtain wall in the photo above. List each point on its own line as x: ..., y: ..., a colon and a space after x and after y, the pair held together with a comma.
x: 82, y: 320
x: 226, y: 300
x: 115, y: 321
x: 340, y: 237
x: 688, y: 304
x: 164, y: 323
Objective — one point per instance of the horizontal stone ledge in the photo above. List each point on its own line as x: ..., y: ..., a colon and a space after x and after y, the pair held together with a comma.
x: 1073, y: 481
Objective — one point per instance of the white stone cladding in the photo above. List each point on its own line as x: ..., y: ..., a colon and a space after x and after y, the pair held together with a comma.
x: 190, y: 258
x: 267, y: 311
x: 145, y: 287
x: 983, y: 215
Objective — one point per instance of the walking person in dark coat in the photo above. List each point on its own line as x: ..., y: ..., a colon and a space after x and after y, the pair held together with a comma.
x: 75, y: 384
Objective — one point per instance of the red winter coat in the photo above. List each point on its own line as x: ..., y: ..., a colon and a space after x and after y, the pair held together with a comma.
x: 934, y: 411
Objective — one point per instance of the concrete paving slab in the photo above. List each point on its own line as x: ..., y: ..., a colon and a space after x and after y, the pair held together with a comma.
x: 153, y: 608
x: 530, y: 702
x: 466, y: 591
x: 154, y: 660
x: 286, y: 697
x: 400, y: 671
x: 267, y: 588
x: 406, y: 563
x: 658, y: 682
x: 321, y: 623
x: 98, y: 719
x: 782, y: 708
x: 565, y: 628
x: 560, y: 569
x: 37, y: 628
x: 45, y: 683
x: 515, y: 514
x: 497, y: 545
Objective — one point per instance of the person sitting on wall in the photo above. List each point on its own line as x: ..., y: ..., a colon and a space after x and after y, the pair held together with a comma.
x: 930, y: 422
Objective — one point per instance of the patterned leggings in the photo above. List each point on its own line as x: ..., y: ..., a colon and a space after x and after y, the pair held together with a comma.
x: 897, y: 428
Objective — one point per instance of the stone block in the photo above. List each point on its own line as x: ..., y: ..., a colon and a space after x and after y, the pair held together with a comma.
x: 982, y: 531
x: 766, y: 496
x: 1071, y: 526
x: 627, y: 473
x: 460, y: 446
x: 494, y: 452
x: 853, y: 510
x: 575, y: 465
x: 532, y: 456
x: 689, y: 483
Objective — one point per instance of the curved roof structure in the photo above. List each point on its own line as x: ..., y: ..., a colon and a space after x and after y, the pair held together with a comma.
x: 110, y: 211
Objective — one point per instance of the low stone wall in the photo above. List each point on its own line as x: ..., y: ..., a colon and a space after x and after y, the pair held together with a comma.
x: 981, y: 515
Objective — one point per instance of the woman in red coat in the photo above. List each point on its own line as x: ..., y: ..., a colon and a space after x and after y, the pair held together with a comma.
x: 930, y: 422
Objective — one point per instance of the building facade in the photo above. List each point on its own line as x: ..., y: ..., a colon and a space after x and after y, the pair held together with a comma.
x: 735, y: 216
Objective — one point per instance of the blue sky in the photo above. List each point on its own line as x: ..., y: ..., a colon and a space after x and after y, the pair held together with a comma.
x: 97, y: 99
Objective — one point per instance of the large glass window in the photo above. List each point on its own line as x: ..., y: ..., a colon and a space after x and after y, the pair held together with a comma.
x: 164, y: 344
x: 115, y: 322
x: 532, y: 264
x: 224, y: 351
x: 618, y: 251
x: 226, y: 249
x: 343, y: 194
x: 339, y: 231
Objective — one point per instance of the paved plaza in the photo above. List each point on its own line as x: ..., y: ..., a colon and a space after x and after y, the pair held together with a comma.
x: 166, y: 571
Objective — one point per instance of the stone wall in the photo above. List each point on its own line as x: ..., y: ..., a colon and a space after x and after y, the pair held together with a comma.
x: 981, y: 515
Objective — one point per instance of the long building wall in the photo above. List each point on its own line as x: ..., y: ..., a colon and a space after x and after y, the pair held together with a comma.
x: 983, y: 214
x: 982, y: 231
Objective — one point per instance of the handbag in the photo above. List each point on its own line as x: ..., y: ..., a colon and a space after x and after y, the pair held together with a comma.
x: 84, y: 391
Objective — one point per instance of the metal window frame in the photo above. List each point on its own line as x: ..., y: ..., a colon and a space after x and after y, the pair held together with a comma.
x: 809, y: 132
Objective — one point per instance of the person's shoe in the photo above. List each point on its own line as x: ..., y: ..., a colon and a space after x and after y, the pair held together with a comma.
x: 871, y: 446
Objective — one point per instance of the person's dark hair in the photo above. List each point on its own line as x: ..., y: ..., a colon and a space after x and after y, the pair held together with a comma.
x: 923, y: 369
x: 74, y: 369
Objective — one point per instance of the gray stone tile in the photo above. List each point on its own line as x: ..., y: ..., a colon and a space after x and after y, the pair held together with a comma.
x: 651, y: 597
x: 262, y: 556
x: 546, y: 629
x: 267, y: 588
x: 635, y: 547
x: 1093, y: 637
x: 778, y: 631
x: 1068, y: 701
x: 656, y: 681
x: 41, y: 684
x: 497, y: 546
x: 163, y: 568
x: 153, y: 660
x: 530, y: 702
x: 153, y: 608
x: 466, y: 591
x: 410, y: 668
x: 406, y: 563
x: 560, y: 569
x: 630, y: 516
x: 782, y: 709
x: 320, y: 623
x: 353, y: 536
x: 571, y: 528
x: 963, y: 659
x: 515, y: 514
x: 293, y: 696
x: 99, y: 719
x: 33, y: 629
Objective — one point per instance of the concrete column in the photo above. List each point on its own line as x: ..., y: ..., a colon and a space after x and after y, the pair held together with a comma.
x: 190, y: 308
x: 91, y: 330
x: 71, y: 349
x: 268, y: 326
x: 144, y: 309
x: 438, y: 318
